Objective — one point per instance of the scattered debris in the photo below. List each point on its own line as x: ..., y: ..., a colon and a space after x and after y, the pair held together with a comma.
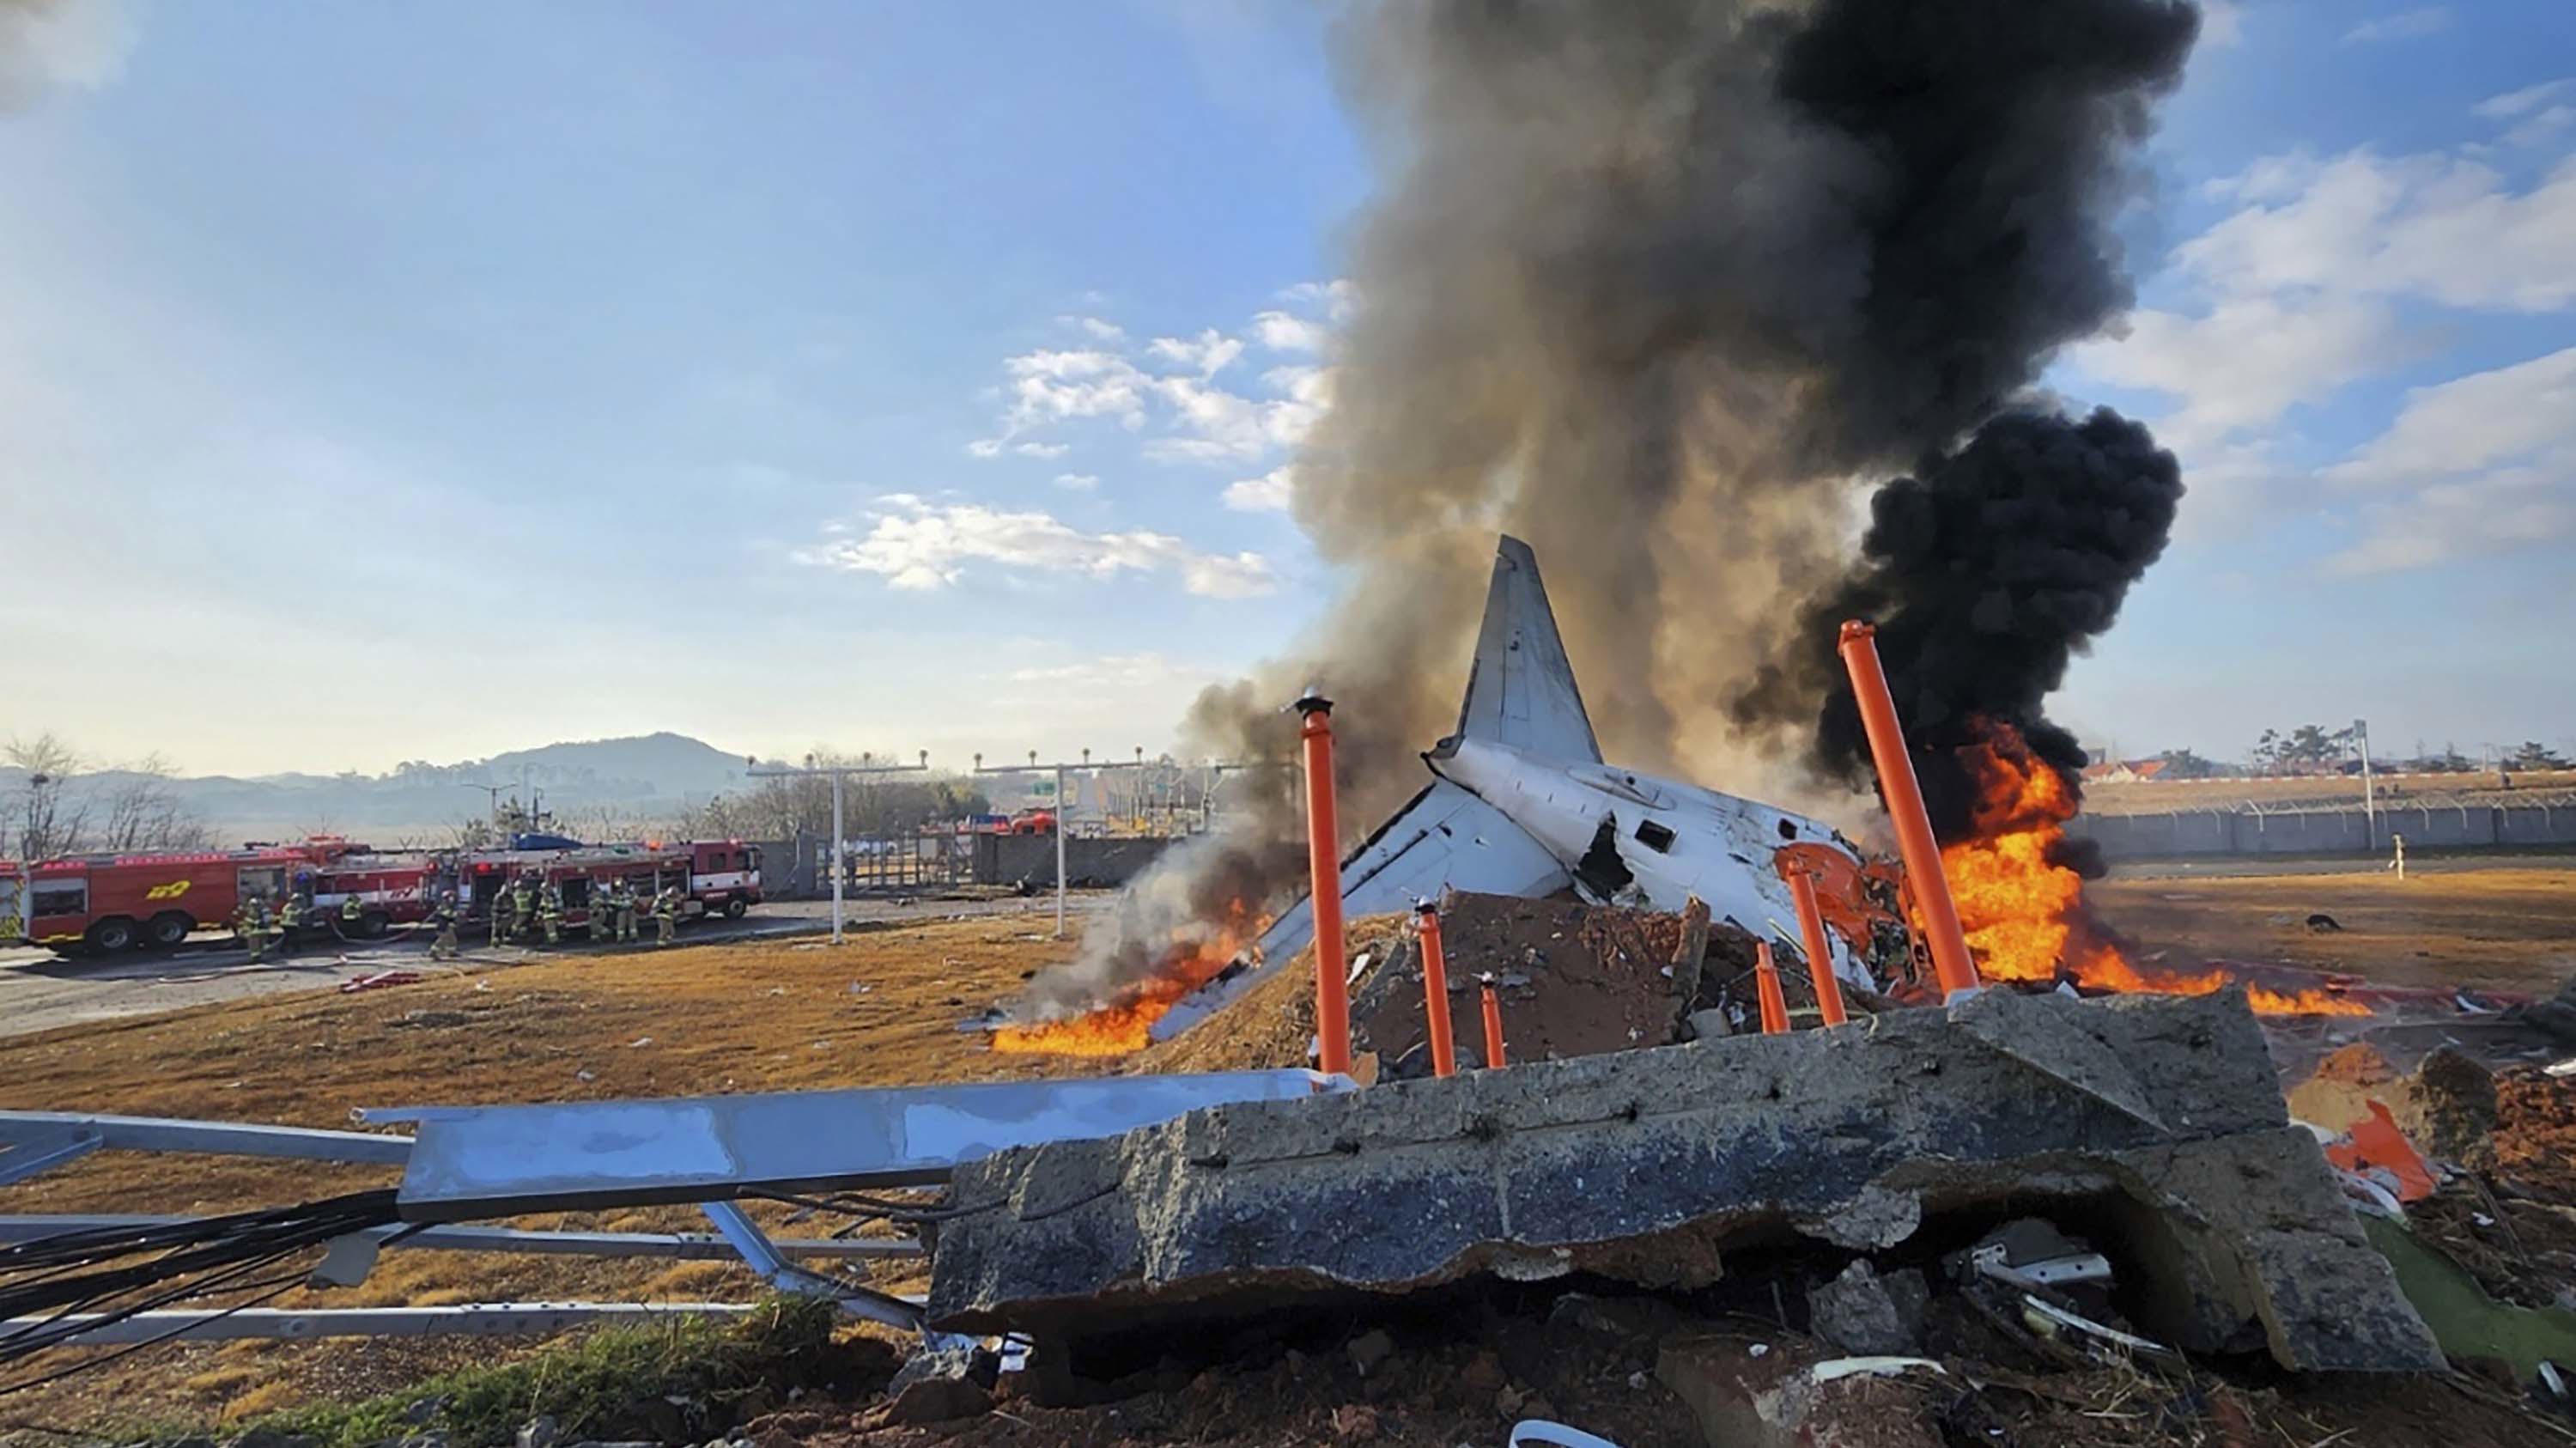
x: 939, y: 1383
x: 1862, y: 1312
x: 379, y: 980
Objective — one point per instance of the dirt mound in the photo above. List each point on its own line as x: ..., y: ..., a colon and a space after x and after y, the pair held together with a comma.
x: 1571, y: 979
x: 2535, y: 1135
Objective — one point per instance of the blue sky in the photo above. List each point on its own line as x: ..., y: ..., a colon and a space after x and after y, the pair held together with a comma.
x: 378, y: 383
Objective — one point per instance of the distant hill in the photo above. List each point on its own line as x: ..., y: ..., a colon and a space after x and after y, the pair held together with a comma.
x: 646, y: 779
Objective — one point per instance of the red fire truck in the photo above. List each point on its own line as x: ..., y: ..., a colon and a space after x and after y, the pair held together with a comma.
x: 100, y: 904
x: 105, y: 903
x: 717, y: 877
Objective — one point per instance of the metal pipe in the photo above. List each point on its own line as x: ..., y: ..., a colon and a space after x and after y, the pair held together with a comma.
x: 685, y: 1246
x: 1324, y: 859
x: 1435, y: 993
x: 1766, y: 986
x: 1059, y: 848
x: 1493, y: 1025
x: 1904, y: 797
x: 839, y: 866
x: 1820, y: 959
x: 490, y: 1319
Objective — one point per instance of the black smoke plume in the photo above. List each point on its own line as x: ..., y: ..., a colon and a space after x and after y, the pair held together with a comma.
x: 1986, y: 570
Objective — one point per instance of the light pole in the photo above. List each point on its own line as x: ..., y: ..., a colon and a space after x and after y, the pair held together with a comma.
x: 839, y: 772
x: 2369, y: 798
x: 1058, y: 769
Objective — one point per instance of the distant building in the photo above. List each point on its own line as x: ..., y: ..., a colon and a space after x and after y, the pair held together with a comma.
x: 2124, y: 771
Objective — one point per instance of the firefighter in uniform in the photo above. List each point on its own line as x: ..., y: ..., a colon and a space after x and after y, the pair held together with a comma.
x: 499, y: 905
x: 550, y: 910
x: 251, y: 922
x: 603, y: 916
x: 523, y: 904
x: 353, y: 916
x: 443, y: 915
x: 666, y: 914
x: 290, y: 915
x: 621, y: 898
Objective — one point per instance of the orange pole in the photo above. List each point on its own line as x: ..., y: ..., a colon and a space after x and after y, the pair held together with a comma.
x: 1820, y: 959
x: 1766, y: 985
x: 1904, y: 795
x: 1493, y: 1026
x: 1435, y: 994
x: 1323, y: 857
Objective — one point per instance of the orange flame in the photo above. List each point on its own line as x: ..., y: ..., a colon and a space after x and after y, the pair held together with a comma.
x: 1125, y: 1024
x: 2024, y: 911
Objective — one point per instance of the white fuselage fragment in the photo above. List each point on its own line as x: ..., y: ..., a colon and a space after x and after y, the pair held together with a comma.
x: 1674, y: 840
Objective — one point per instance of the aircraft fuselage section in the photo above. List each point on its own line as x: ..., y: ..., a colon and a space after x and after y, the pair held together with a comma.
x: 1615, y: 828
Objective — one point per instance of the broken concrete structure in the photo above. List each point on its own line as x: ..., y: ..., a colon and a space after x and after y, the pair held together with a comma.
x: 2153, y: 1122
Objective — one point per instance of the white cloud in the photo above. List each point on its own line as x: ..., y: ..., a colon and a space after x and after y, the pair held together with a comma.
x: 1336, y: 297
x: 2542, y: 127
x: 1207, y: 354
x: 2524, y: 101
x: 2477, y: 465
x: 2471, y: 423
x: 2404, y: 25
x: 2298, y: 289
x: 2244, y: 362
x: 2433, y: 226
x: 2539, y: 112
x: 1041, y: 449
x: 1240, y: 575
x: 1105, y: 331
x: 81, y: 46
x: 1079, y: 482
x: 984, y: 447
x: 1284, y: 332
x: 1272, y: 492
x: 1222, y: 425
x: 1051, y: 386
x: 917, y: 545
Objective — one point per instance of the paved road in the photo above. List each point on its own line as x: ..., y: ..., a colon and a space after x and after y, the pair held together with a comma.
x: 40, y: 991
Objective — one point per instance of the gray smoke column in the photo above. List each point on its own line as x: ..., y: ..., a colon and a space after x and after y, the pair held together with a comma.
x: 1202, y: 893
x: 1650, y: 284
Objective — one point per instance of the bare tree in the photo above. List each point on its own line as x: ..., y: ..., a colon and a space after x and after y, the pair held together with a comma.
x: 610, y: 823
x: 47, y: 821
x: 470, y: 834
x: 144, y: 813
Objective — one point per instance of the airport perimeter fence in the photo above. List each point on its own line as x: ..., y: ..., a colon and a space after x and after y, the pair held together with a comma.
x: 2249, y: 828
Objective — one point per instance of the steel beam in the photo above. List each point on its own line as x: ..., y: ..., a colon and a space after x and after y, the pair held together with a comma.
x: 209, y: 1138
x: 494, y: 1319
x: 683, y: 1246
x: 492, y: 1161
x: 762, y: 1255
x: 36, y: 1154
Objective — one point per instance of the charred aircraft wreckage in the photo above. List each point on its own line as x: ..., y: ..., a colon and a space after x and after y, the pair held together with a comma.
x: 1522, y: 803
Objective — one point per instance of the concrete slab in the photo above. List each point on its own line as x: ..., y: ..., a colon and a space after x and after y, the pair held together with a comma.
x: 2159, y: 1115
